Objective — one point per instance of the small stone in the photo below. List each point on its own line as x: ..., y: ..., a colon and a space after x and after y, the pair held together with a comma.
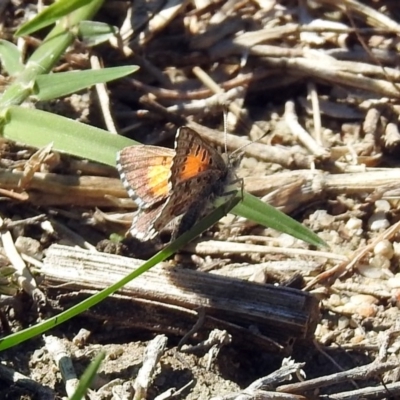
x: 286, y: 241
x: 384, y: 249
x: 396, y: 249
x: 343, y: 322
x: 363, y: 299
x: 335, y: 300
x: 378, y: 221
x: 367, y: 310
x: 361, y: 304
x: 394, y: 282
x: 380, y: 262
x: 322, y: 218
x: 382, y: 205
x: 258, y: 276
x: 29, y: 246
x: 357, y: 339
x: 373, y: 272
x: 354, y: 224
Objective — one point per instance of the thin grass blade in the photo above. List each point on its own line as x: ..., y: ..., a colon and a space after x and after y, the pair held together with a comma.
x: 64, y: 83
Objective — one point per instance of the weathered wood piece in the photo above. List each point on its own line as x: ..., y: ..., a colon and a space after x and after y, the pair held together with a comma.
x: 249, y: 311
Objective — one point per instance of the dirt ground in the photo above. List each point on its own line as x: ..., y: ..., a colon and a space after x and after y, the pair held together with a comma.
x: 317, y: 81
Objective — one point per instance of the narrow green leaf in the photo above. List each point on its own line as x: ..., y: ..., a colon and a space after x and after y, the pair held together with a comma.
x: 255, y: 210
x: 46, y: 55
x: 50, y: 15
x: 93, y: 33
x: 39, y: 128
x: 61, y: 84
x: 88, y: 376
x: 40, y: 62
x: 10, y: 57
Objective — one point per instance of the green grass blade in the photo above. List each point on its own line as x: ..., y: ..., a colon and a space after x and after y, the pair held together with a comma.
x: 88, y: 376
x: 255, y: 210
x: 39, y: 128
x: 61, y: 84
x: 46, y: 55
x: 40, y: 62
x: 10, y: 57
x: 93, y: 33
x: 50, y: 15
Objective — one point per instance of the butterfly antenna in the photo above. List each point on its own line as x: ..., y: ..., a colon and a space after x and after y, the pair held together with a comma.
x: 248, y: 144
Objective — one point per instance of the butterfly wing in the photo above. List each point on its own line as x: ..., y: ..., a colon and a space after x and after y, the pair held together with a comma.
x: 143, y: 227
x: 197, y: 171
x: 167, y: 183
x: 145, y: 171
x: 195, y: 158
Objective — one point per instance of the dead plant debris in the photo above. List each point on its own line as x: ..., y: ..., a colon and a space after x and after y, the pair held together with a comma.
x: 318, y: 82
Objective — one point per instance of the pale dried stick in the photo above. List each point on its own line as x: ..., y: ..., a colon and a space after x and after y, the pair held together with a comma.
x: 104, y: 98
x: 216, y: 101
x: 62, y: 359
x: 173, y: 393
x: 233, y: 107
x: 171, y: 8
x: 364, y: 372
x: 209, y: 247
x: 154, y: 350
x: 372, y: 16
x: 24, y: 277
x: 313, y: 95
x: 301, y: 134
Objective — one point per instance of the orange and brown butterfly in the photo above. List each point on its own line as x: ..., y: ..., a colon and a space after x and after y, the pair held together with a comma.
x: 166, y: 184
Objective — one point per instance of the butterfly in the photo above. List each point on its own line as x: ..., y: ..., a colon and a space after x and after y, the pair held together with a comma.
x: 167, y: 184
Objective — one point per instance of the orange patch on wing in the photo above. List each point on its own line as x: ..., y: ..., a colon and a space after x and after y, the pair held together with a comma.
x: 195, y: 164
x: 158, y: 178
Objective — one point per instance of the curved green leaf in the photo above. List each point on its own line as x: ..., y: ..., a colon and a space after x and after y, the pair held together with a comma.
x: 64, y: 83
x: 50, y: 15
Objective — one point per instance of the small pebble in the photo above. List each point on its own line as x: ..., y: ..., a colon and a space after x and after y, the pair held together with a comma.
x: 374, y: 271
x: 364, y: 305
x: 378, y: 221
x: 335, y: 300
x: 396, y: 249
x: 358, y: 331
x: 395, y: 298
x: 394, y: 282
x: 357, y: 339
x: 384, y: 249
x: 367, y: 310
x: 286, y: 241
x: 258, y: 276
x: 343, y: 322
x: 354, y: 224
x: 379, y: 262
x: 363, y: 299
x: 382, y: 205
x: 353, y: 324
x: 47, y: 227
x: 323, y: 219
x: 29, y: 246
x: 81, y: 337
x: 363, y: 309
